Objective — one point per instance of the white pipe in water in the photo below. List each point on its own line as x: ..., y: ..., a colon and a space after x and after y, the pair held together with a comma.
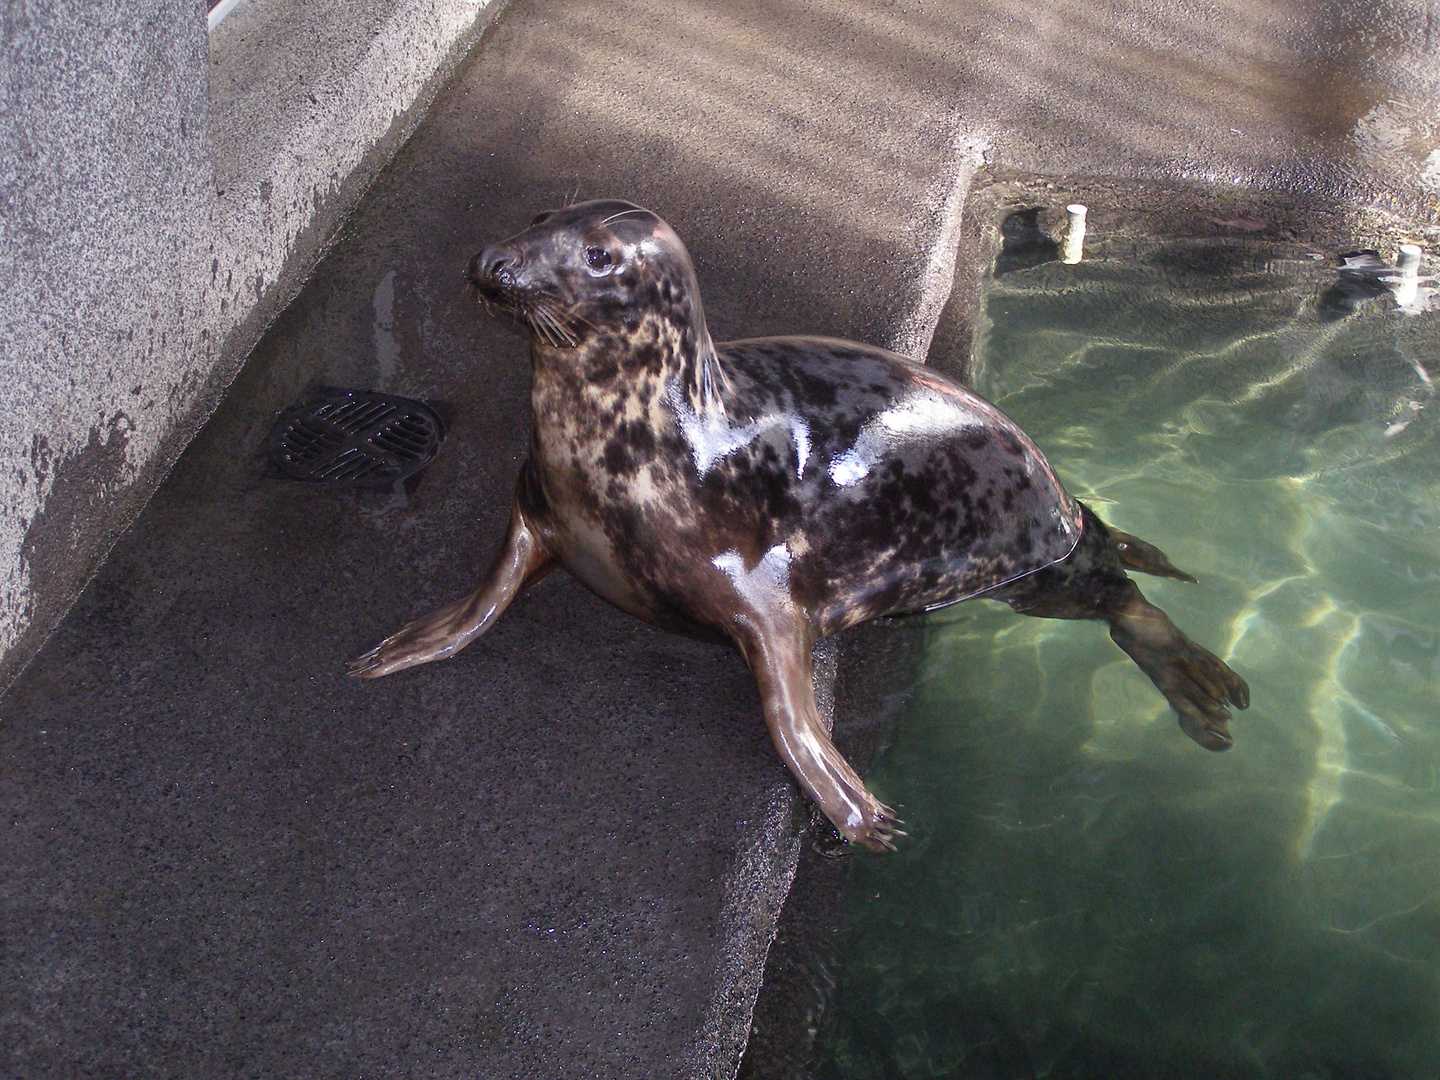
x: 1074, y: 248
x: 1410, y: 260
x: 1407, y: 288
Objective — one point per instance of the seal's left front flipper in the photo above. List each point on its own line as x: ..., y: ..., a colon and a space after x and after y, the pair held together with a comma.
x: 1136, y: 554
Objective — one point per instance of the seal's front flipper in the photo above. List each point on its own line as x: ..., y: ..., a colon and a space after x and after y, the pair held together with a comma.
x: 1196, y: 682
x: 521, y: 562
x: 1136, y: 554
x: 777, y: 649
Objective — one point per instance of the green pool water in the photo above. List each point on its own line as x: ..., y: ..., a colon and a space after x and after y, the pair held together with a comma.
x: 1087, y: 893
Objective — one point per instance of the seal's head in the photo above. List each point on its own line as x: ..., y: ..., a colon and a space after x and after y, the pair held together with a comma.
x: 590, y: 272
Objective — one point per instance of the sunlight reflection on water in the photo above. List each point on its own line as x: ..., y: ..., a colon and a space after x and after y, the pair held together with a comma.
x: 1088, y: 893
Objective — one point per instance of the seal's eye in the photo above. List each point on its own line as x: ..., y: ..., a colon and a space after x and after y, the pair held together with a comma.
x: 598, y: 258
x: 541, y: 218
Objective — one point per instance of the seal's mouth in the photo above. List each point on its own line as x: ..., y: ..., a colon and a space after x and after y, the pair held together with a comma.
x: 492, y: 276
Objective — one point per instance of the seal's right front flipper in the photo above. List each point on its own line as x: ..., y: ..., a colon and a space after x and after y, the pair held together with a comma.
x: 521, y: 562
x: 778, y: 652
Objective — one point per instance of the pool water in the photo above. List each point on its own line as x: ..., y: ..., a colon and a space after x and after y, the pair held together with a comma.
x: 1087, y: 893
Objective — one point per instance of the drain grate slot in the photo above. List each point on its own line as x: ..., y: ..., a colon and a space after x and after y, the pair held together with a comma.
x: 355, y: 438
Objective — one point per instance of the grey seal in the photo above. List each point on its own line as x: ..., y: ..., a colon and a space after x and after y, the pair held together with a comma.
x: 770, y: 492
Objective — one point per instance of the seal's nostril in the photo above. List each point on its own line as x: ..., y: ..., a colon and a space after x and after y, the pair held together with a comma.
x: 490, y: 266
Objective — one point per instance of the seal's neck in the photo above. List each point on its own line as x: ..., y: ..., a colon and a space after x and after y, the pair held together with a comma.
x: 666, y: 340
x: 701, y: 379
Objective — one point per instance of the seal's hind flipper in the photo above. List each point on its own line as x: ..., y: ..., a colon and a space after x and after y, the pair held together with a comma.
x: 1136, y: 554
x: 1090, y: 583
x: 1196, y: 682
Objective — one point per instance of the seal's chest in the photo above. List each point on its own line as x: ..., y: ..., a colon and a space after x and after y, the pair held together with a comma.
x: 600, y: 436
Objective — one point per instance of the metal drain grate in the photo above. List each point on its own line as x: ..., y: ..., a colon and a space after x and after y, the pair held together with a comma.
x: 355, y: 438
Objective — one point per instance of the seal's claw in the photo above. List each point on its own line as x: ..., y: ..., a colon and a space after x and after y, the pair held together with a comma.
x: 1211, y: 733
x: 1237, y: 690
x: 379, y: 661
x: 359, y: 667
x: 878, y: 831
x: 371, y: 665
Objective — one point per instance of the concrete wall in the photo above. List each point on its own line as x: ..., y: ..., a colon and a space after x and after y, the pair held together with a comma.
x: 162, y: 197
x: 106, y: 190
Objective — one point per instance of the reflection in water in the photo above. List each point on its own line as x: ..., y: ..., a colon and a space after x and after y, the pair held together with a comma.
x: 1088, y: 894
x: 1023, y: 243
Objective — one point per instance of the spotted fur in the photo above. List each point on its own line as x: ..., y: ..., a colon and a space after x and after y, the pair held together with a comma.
x: 655, y: 450
x: 770, y: 492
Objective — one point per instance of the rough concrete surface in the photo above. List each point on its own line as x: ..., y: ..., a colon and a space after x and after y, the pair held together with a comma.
x: 561, y: 853
x: 133, y: 288
x: 105, y: 172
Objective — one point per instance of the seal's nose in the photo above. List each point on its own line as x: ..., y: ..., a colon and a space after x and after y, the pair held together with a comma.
x: 491, y: 269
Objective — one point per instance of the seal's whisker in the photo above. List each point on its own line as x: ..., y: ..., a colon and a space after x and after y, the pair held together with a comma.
x: 547, y: 308
x: 553, y: 330
x: 564, y: 321
x: 537, y: 319
x: 572, y: 314
x: 535, y: 316
x: 564, y: 316
x: 557, y: 332
x: 564, y: 332
x: 623, y: 213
